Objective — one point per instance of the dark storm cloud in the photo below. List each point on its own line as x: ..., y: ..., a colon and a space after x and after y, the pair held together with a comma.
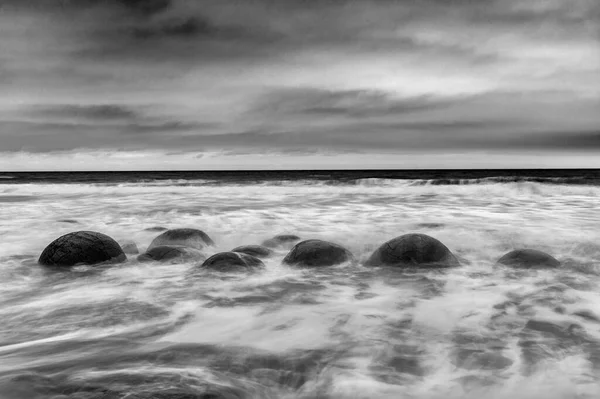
x: 110, y: 26
x: 349, y: 103
x: 388, y: 139
x: 52, y: 136
x: 345, y: 75
x: 96, y: 112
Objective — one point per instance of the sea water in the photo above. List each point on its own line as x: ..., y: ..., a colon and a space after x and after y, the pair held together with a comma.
x: 150, y: 330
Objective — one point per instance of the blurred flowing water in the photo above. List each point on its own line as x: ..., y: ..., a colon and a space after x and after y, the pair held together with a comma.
x: 172, y: 331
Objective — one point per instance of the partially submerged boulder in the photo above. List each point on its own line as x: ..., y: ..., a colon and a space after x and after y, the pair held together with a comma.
x: 82, y: 247
x: 257, y: 251
x: 528, y: 258
x: 413, y: 250
x: 129, y: 247
x: 171, y: 253
x: 316, y: 253
x: 193, y: 238
x: 231, y: 262
x: 281, y: 240
x: 156, y: 228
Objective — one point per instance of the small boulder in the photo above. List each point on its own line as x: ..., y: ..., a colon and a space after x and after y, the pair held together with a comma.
x: 316, y: 253
x: 172, y: 253
x: 156, y: 228
x: 231, y: 262
x: 257, y: 251
x: 281, y: 240
x: 528, y: 258
x: 82, y: 247
x: 413, y: 250
x: 129, y: 247
x: 187, y: 237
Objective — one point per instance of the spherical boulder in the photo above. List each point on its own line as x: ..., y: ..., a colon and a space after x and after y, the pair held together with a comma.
x: 187, y: 237
x: 281, y: 240
x: 257, y: 251
x: 316, y: 253
x: 129, y: 247
x: 82, y: 247
x: 232, y: 262
x: 413, y: 250
x: 171, y: 253
x: 528, y: 258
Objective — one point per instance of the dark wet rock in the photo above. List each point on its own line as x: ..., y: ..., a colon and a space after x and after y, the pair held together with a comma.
x: 82, y: 247
x: 187, y: 237
x: 528, y: 258
x: 281, y: 240
x: 232, y: 261
x: 172, y: 253
x: 258, y: 251
x: 129, y: 247
x: 316, y: 253
x: 430, y: 225
x: 156, y: 228
x: 413, y: 250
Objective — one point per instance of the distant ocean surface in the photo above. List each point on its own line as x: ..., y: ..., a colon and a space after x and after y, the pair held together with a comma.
x: 170, y: 331
x: 416, y: 177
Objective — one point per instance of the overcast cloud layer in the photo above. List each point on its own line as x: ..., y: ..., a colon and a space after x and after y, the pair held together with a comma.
x: 311, y: 80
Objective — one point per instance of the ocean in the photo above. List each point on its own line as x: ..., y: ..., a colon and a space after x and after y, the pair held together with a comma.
x: 171, y: 331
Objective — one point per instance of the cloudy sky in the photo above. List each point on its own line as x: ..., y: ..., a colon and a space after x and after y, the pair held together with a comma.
x: 221, y: 84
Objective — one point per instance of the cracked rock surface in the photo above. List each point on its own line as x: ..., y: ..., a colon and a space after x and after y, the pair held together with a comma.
x: 316, y: 253
x: 412, y: 250
x: 82, y: 247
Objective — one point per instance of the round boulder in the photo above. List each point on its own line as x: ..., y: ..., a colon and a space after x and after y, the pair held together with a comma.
x: 281, y: 240
x: 129, y: 247
x: 232, y: 262
x: 172, y: 253
x: 82, y: 247
x: 316, y: 253
x: 528, y: 258
x: 187, y: 237
x: 413, y: 250
x: 257, y: 251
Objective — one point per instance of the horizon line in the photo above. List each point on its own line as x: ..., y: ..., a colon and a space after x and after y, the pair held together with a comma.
x: 291, y: 170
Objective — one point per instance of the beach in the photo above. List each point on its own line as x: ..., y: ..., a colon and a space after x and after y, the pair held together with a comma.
x: 162, y: 330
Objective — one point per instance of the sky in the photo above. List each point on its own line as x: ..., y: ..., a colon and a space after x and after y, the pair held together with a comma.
x: 299, y: 84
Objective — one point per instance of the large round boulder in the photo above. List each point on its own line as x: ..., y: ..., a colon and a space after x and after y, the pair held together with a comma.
x: 413, y: 250
x: 316, y: 253
x: 82, y: 247
x: 232, y: 262
x: 193, y: 238
x: 286, y: 240
x: 171, y: 254
x: 257, y: 251
x: 528, y: 258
